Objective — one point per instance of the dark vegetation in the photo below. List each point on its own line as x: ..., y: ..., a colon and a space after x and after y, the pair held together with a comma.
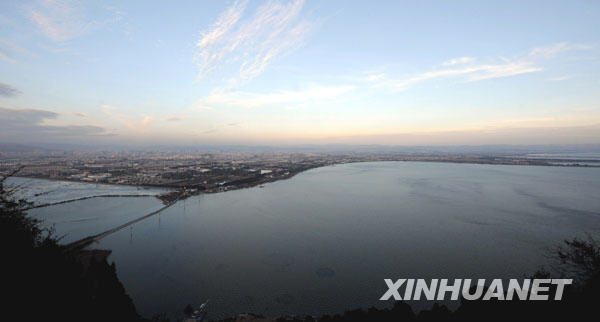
x: 42, y: 280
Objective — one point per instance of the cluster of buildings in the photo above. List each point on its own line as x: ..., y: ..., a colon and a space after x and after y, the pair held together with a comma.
x: 207, y: 172
x: 211, y: 171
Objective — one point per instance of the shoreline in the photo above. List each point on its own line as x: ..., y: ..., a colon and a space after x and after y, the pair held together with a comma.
x: 171, y: 195
x: 531, y: 162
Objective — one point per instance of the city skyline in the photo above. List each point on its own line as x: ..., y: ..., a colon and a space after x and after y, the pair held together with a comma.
x: 300, y: 72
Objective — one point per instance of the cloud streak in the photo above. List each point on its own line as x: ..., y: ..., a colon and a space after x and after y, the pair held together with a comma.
x: 8, y: 91
x: 218, y: 128
x: 313, y: 95
x: 461, y: 69
x: 28, y: 124
x: 555, y: 49
x: 136, y: 125
x: 67, y: 19
x: 458, y: 61
x: 468, y: 72
x: 467, y: 69
x: 4, y: 56
x: 247, y: 45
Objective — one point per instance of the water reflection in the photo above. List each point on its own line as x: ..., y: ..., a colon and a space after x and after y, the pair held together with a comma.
x: 324, y: 240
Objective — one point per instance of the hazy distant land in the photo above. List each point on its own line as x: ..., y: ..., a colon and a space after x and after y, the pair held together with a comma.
x: 214, y: 169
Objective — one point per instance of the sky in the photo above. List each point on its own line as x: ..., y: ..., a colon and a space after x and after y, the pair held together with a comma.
x: 300, y: 72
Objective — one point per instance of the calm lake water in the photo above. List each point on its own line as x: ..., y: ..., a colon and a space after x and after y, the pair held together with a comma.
x: 76, y: 220
x: 323, y: 241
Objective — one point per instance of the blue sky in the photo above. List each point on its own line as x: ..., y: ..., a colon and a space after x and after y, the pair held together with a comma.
x: 291, y: 72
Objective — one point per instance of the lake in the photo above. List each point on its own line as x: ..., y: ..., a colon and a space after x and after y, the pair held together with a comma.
x: 324, y: 240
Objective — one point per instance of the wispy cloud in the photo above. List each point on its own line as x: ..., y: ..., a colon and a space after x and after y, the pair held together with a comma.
x: 555, y: 49
x: 510, y: 68
x: 10, y: 50
x: 219, y: 127
x: 249, y: 44
x: 471, y: 69
x: 462, y: 69
x: 4, y: 56
x: 138, y: 125
x: 212, y: 47
x: 315, y: 95
x: 458, y: 61
x: 468, y: 72
x: 62, y: 20
x: 8, y: 91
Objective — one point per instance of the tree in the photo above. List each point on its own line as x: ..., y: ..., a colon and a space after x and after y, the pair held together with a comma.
x: 41, y: 280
